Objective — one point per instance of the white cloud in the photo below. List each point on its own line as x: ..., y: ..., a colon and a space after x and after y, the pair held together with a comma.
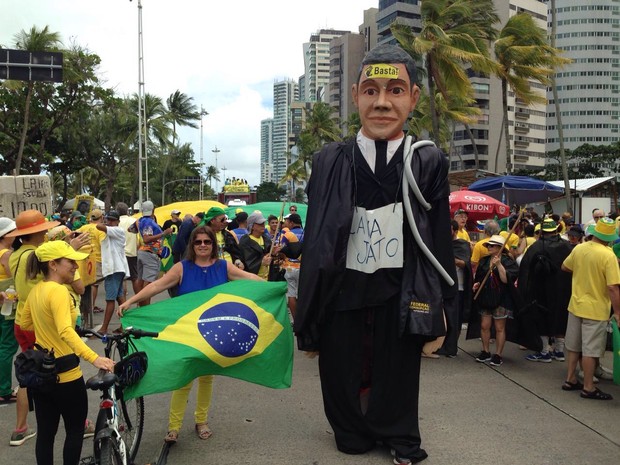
x: 225, y: 55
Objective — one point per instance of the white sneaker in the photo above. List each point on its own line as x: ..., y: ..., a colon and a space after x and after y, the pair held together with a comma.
x: 604, y: 373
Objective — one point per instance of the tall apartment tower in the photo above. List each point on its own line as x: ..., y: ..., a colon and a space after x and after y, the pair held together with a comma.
x: 404, y: 11
x: 587, y: 32
x: 526, y: 124
x: 346, y: 54
x: 266, y: 150
x: 284, y: 94
x: 316, y: 64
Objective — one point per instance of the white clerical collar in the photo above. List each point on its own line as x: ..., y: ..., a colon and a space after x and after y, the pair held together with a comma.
x: 367, y: 147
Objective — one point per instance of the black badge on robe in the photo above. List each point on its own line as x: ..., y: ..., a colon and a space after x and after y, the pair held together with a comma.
x: 381, y: 157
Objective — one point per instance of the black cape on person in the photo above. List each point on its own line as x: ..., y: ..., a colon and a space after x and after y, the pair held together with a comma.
x: 544, y: 290
x: 327, y: 229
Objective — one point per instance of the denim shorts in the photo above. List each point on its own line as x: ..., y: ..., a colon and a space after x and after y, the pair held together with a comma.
x: 499, y: 313
x: 113, y: 284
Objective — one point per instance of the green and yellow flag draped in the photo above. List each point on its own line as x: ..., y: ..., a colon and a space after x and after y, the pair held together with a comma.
x: 166, y: 253
x: 240, y: 329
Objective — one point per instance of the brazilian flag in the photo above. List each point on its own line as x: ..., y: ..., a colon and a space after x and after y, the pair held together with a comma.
x: 166, y: 252
x: 239, y: 329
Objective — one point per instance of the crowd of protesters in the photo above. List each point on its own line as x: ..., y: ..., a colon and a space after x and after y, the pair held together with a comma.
x: 545, y: 283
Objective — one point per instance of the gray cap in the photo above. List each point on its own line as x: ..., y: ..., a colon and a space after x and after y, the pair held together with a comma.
x: 147, y: 208
x: 255, y: 218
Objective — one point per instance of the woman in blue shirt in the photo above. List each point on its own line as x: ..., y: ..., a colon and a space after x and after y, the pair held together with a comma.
x: 202, y: 269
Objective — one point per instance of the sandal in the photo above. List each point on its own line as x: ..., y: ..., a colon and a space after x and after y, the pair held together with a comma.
x: 203, y: 431
x: 568, y: 386
x: 597, y: 394
x: 171, y: 436
x: 8, y: 399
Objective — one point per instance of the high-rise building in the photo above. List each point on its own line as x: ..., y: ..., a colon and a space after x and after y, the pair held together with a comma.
x: 284, y: 94
x: 266, y: 150
x: 316, y: 64
x: 588, y: 88
x: 526, y: 124
x: 404, y: 11
x: 346, y: 54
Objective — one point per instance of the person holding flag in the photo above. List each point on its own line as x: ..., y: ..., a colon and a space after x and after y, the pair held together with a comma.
x: 200, y: 270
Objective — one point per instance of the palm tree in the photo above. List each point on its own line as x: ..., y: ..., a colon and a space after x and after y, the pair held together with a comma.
x: 455, y: 34
x: 179, y: 110
x: 523, y: 55
x: 212, y: 174
x: 34, y: 40
x: 295, y: 172
x: 322, y: 124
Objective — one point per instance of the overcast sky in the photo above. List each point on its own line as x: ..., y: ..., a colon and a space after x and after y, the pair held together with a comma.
x: 224, y: 54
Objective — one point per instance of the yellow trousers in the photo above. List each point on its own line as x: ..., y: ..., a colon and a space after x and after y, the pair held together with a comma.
x: 178, y: 403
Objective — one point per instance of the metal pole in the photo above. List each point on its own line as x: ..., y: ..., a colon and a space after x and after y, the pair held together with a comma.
x: 202, y: 113
x: 216, y: 151
x: 143, y: 174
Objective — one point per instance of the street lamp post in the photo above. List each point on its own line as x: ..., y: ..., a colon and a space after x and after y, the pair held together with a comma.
x: 216, y: 151
x: 576, y: 171
x: 203, y: 112
x: 142, y: 139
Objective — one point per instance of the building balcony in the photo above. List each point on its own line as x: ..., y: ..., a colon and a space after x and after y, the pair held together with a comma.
x: 521, y: 114
x: 521, y: 128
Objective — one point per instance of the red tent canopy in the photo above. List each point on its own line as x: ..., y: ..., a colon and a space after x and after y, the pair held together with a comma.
x: 478, y: 206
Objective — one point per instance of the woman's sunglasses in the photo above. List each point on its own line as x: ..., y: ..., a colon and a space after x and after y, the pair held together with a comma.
x: 203, y: 242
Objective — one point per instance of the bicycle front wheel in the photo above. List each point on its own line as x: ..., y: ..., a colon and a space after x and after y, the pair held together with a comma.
x: 108, y: 453
x: 131, y: 424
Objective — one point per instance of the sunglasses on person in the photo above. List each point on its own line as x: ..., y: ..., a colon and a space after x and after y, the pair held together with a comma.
x: 203, y: 242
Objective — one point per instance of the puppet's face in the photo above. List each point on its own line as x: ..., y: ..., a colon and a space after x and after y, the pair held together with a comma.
x: 384, y: 103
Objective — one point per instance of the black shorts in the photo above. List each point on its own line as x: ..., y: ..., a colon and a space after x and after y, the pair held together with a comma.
x: 133, y: 267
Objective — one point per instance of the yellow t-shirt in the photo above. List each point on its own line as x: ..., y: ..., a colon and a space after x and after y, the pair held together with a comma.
x: 50, y: 313
x: 594, y: 267
x: 263, y: 271
x: 23, y: 285
x: 3, y: 272
x: 512, y: 242
x: 220, y: 246
x: 96, y: 236
x: 463, y: 234
x: 480, y: 250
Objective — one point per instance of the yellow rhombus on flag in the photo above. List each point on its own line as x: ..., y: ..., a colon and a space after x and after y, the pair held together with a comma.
x: 239, y: 329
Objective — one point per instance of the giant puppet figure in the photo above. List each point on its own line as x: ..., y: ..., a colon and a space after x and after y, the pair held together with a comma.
x: 372, y: 297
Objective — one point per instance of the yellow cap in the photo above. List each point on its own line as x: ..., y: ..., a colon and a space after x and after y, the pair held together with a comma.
x: 54, y: 250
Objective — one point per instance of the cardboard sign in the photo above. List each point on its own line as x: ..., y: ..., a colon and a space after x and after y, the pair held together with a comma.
x: 28, y: 192
x: 376, y: 239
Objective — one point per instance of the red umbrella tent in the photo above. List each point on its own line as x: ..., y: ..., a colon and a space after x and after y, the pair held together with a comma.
x: 478, y: 206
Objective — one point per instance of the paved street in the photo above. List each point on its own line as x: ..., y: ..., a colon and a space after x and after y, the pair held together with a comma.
x: 470, y: 413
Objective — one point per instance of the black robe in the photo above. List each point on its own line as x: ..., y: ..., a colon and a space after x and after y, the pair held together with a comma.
x: 328, y: 222
x: 544, y: 289
x: 370, y: 329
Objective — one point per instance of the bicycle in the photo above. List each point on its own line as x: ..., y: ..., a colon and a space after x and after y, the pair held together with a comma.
x: 120, y: 422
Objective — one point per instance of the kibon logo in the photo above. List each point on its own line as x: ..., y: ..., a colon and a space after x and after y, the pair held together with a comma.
x: 475, y: 198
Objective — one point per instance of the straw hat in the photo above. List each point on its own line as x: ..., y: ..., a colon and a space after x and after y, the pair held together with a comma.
x: 495, y: 240
x: 31, y: 221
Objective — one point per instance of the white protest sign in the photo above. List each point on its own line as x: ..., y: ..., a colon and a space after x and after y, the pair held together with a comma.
x: 376, y: 239
x: 28, y: 192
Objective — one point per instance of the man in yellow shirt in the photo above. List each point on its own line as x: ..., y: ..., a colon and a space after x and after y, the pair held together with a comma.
x: 96, y: 236
x: 491, y: 228
x: 460, y: 216
x: 596, y: 278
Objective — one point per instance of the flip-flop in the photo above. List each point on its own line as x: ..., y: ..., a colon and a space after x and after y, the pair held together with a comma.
x: 568, y: 386
x: 203, y: 431
x: 597, y: 394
